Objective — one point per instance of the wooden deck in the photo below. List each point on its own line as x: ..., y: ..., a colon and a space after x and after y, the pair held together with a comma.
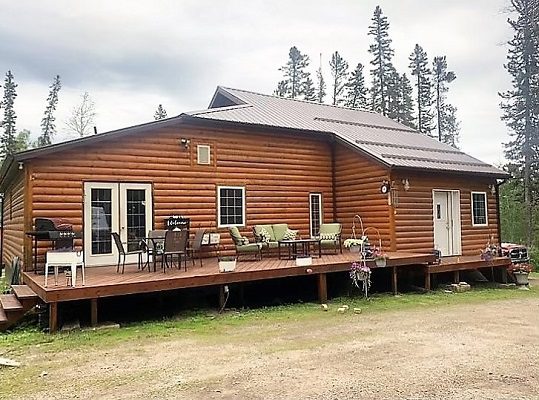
x: 106, y: 282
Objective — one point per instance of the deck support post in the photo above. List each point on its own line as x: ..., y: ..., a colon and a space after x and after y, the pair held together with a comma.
x: 221, y: 296
x: 322, y: 288
x: 427, y: 278
x: 394, y: 286
x: 93, y: 312
x: 53, y: 317
x: 456, y: 276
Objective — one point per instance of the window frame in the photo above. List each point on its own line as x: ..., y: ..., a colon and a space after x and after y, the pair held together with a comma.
x: 472, y: 201
x: 205, y: 146
x: 219, y: 188
x: 320, y: 212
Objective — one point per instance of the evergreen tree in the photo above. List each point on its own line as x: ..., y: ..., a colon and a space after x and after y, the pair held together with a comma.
x: 82, y: 116
x: 356, y: 95
x: 339, y: 71
x: 393, y: 94
x: 382, y: 52
x: 419, y: 67
x: 281, y: 90
x: 22, y: 141
x: 48, y: 128
x: 160, y: 113
x: 441, y: 78
x: 294, y: 74
x: 321, y: 89
x: 309, y: 92
x: 8, y: 141
x: 520, y: 105
x: 406, y: 115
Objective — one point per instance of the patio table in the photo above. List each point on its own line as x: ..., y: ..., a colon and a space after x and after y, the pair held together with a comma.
x: 299, y: 247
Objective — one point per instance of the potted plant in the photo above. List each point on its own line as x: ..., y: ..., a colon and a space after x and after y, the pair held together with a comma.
x: 360, y: 274
x: 489, y: 252
x: 227, y: 263
x: 355, y: 244
x: 521, y: 272
x: 380, y: 258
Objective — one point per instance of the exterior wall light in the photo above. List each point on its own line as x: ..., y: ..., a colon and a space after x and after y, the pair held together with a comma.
x: 185, y: 142
x: 406, y: 185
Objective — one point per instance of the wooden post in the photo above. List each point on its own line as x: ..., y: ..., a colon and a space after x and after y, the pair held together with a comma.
x: 322, y: 288
x: 53, y: 317
x: 394, y: 286
x: 221, y: 296
x: 93, y: 312
x: 427, y: 278
x: 456, y: 276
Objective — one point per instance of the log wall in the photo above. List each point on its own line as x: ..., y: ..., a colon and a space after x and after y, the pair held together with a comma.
x: 357, y: 191
x: 414, y: 213
x: 277, y: 171
x: 13, y: 229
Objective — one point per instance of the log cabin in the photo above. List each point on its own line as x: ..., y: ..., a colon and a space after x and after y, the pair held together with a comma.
x: 250, y: 159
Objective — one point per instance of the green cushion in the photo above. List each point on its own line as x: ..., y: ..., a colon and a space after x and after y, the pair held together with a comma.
x: 235, y: 233
x: 327, y: 229
x: 249, y: 248
x: 268, y: 229
x: 272, y: 245
x: 326, y: 244
x: 279, y: 231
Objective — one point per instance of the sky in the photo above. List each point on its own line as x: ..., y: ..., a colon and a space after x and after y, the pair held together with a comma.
x: 131, y: 56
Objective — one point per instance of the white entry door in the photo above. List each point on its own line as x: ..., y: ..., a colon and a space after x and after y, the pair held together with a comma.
x: 446, y: 213
x: 125, y: 208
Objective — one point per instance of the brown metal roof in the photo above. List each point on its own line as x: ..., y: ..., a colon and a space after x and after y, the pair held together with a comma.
x: 388, y: 141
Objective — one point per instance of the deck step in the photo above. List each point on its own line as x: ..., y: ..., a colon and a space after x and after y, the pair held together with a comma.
x: 3, y: 317
x: 23, y: 292
x: 10, y: 302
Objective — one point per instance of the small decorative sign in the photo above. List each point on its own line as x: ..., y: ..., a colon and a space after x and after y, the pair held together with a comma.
x: 211, y: 239
x: 177, y: 221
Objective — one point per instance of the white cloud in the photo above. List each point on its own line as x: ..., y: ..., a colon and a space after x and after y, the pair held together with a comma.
x: 131, y: 56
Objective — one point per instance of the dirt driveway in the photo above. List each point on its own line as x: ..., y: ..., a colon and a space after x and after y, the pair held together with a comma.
x: 470, y: 351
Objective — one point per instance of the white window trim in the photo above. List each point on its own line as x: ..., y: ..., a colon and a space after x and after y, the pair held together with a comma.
x: 311, y: 195
x: 486, y: 208
x: 203, y: 146
x: 242, y: 188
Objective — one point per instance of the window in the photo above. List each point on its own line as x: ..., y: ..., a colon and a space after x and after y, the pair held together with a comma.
x: 479, y: 209
x: 203, y: 154
x: 315, y: 206
x: 230, y: 206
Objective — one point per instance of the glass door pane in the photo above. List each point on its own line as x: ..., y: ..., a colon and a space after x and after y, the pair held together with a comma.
x: 136, y: 217
x: 101, y: 221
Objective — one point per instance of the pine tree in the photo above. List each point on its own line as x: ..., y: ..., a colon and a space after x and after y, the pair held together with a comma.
x: 520, y: 105
x: 419, y: 66
x: 82, y: 116
x: 309, y: 92
x: 356, y: 95
x: 441, y: 78
x: 321, y: 88
x: 22, y: 141
x: 393, y: 94
x: 294, y: 74
x: 339, y: 71
x: 8, y: 141
x: 406, y: 109
x: 48, y: 128
x: 160, y: 113
x: 382, y: 52
x: 450, y: 126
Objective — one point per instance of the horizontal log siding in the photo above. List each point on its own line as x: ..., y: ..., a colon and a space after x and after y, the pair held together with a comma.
x: 357, y: 190
x: 278, y: 173
x: 14, y: 220
x: 414, y: 213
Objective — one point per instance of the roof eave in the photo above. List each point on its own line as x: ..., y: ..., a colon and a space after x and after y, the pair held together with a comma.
x: 493, y: 174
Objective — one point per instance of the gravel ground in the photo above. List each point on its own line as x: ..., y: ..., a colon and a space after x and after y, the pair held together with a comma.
x: 469, y: 351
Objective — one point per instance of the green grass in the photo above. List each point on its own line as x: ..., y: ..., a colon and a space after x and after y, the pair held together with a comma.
x: 207, y: 324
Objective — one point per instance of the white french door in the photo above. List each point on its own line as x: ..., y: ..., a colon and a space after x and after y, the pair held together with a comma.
x: 125, y: 208
x: 446, y: 214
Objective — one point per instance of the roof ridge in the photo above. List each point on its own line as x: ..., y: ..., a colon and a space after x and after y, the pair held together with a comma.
x: 338, y: 121
x: 300, y: 100
x: 218, y: 109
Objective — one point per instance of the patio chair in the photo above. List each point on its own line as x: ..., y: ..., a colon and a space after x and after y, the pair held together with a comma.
x: 175, y: 244
x: 243, y: 246
x: 330, y: 236
x: 196, y: 246
x: 123, y: 253
x: 153, y: 246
